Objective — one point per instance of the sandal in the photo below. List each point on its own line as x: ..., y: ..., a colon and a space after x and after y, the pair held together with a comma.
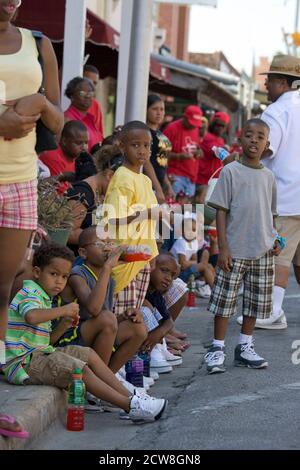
x: 9, y: 433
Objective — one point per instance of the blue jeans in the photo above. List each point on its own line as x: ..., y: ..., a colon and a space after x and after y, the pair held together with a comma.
x: 182, y: 183
x: 185, y: 275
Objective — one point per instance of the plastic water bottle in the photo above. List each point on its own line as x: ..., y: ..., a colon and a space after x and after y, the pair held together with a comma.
x: 145, y: 356
x: 192, y: 291
x: 220, y: 153
x: 134, y: 371
x: 76, y: 403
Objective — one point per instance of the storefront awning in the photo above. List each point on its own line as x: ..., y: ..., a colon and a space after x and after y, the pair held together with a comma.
x: 101, y: 47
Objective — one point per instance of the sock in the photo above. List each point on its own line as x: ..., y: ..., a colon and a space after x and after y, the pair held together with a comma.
x: 278, y: 296
x: 245, y: 339
x: 2, y: 352
x: 218, y: 343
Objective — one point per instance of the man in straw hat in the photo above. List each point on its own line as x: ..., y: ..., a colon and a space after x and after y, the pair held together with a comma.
x: 283, y: 159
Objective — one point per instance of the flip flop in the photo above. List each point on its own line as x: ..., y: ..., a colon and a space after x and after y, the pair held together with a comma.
x: 7, y: 433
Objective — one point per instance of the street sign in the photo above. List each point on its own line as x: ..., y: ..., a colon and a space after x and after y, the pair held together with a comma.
x: 207, y: 3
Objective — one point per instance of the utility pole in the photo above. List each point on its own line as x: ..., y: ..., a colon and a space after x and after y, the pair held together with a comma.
x: 135, y: 68
x: 296, y: 22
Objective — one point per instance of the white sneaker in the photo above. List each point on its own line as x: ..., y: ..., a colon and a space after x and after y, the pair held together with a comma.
x: 146, y: 409
x: 131, y: 388
x: 245, y: 356
x: 215, y: 359
x: 169, y: 357
x: 158, y: 362
x: 148, y: 381
x: 154, y: 375
x: 204, y: 291
x: 275, y: 322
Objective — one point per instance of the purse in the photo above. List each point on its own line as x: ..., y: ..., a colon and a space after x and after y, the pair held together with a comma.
x: 45, y: 139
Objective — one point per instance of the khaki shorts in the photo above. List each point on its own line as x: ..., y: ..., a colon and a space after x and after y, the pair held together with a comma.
x: 56, y: 368
x: 289, y: 227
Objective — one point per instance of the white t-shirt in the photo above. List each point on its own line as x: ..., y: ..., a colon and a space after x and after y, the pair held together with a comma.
x: 283, y: 117
x: 183, y: 247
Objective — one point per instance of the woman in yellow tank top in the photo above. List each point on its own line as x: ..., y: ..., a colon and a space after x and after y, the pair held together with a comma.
x: 20, y: 107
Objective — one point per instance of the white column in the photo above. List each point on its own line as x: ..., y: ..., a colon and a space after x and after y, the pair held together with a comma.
x: 139, y: 60
x: 124, y: 48
x: 74, y: 43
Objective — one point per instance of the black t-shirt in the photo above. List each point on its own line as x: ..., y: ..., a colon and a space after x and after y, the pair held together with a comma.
x: 156, y: 300
x: 161, y: 146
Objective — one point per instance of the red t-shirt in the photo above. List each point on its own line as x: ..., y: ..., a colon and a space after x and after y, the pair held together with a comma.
x: 95, y: 136
x: 183, y: 141
x: 95, y: 110
x: 209, y: 163
x: 58, y: 163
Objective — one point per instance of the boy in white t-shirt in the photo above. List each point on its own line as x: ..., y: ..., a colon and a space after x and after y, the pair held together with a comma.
x: 185, y: 250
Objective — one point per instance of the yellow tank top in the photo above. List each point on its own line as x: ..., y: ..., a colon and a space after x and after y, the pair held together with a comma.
x: 20, y: 75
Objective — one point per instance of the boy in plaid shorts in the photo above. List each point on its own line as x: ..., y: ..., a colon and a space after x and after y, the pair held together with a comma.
x: 245, y: 199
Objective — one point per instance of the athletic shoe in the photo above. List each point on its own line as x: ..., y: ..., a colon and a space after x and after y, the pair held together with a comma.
x: 275, y: 322
x: 203, y: 291
x: 93, y: 404
x: 158, y: 362
x: 148, y: 381
x: 154, y: 375
x: 245, y: 356
x: 168, y: 356
x: 215, y: 359
x: 131, y: 388
x: 146, y: 409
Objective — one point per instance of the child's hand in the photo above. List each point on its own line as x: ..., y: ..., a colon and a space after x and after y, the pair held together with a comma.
x: 66, y: 323
x: 276, y: 248
x: 225, y: 260
x: 29, y: 105
x: 134, y: 315
x: 71, y: 310
x: 114, y: 256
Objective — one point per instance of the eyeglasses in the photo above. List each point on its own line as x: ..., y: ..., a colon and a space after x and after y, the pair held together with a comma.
x: 86, y: 94
x: 100, y: 244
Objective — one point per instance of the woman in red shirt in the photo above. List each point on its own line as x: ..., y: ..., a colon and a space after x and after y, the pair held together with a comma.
x: 209, y: 164
x: 81, y: 92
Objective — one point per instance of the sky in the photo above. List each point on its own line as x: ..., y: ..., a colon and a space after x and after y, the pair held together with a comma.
x: 242, y: 29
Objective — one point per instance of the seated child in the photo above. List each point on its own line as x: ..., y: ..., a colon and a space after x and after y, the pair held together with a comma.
x: 30, y: 358
x: 92, y: 286
x: 185, y: 250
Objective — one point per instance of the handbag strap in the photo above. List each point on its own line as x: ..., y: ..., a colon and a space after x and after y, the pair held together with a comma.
x: 38, y: 35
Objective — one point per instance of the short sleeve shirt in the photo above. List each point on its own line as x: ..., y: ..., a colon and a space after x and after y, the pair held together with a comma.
x: 249, y: 197
x: 183, y: 247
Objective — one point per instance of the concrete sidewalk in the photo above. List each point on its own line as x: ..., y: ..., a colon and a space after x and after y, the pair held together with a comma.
x: 37, y: 407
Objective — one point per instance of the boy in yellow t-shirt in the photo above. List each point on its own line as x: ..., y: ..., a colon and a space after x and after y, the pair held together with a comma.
x: 128, y: 203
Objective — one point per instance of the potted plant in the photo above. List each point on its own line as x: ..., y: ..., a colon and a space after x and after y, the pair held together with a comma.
x: 55, y: 213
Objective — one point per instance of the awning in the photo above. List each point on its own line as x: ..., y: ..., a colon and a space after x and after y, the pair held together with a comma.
x: 102, y: 46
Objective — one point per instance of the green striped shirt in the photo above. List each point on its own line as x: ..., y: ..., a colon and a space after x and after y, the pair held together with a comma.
x: 22, y: 339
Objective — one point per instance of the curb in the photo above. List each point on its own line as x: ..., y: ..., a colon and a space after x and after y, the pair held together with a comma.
x: 35, y: 407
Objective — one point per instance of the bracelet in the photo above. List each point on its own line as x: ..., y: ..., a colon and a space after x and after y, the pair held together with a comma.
x: 281, y: 241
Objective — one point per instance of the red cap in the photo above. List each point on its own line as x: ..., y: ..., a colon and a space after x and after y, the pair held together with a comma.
x: 222, y: 117
x: 194, y: 115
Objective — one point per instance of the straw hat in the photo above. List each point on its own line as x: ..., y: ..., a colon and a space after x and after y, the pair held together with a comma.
x: 284, y: 65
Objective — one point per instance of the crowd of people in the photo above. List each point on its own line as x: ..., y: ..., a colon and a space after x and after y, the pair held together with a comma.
x: 83, y: 305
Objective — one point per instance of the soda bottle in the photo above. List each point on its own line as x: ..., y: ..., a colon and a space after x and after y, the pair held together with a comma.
x: 192, y: 291
x: 76, y: 402
x: 145, y: 356
x: 134, y: 371
x: 220, y: 152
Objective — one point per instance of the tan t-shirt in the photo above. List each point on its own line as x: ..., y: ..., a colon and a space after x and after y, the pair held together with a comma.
x: 20, y: 75
x: 249, y: 196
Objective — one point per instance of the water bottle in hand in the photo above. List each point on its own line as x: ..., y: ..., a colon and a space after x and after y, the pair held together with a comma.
x: 220, y: 153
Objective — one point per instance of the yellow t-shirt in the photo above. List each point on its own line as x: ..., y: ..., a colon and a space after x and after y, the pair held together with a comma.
x: 129, y: 192
x: 20, y: 75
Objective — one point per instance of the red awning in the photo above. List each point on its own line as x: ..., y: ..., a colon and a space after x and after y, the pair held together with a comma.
x: 102, y: 46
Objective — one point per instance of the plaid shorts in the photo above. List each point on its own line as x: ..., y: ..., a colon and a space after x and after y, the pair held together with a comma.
x: 18, y: 205
x: 258, y: 277
x: 151, y: 318
x: 134, y: 294
x: 176, y: 291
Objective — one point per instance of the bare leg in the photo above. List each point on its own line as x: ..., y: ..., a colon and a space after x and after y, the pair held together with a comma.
x: 175, y: 311
x: 297, y: 273
x: 281, y: 276
x: 101, y: 382
x: 220, y: 328
x: 248, y: 326
x: 100, y: 333
x: 130, y: 337
x: 13, y: 245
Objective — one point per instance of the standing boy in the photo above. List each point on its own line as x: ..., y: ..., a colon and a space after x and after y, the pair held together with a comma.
x: 131, y: 206
x: 245, y: 199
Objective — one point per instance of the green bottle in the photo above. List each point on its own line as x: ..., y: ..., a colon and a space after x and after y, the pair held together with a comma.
x: 76, y: 402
